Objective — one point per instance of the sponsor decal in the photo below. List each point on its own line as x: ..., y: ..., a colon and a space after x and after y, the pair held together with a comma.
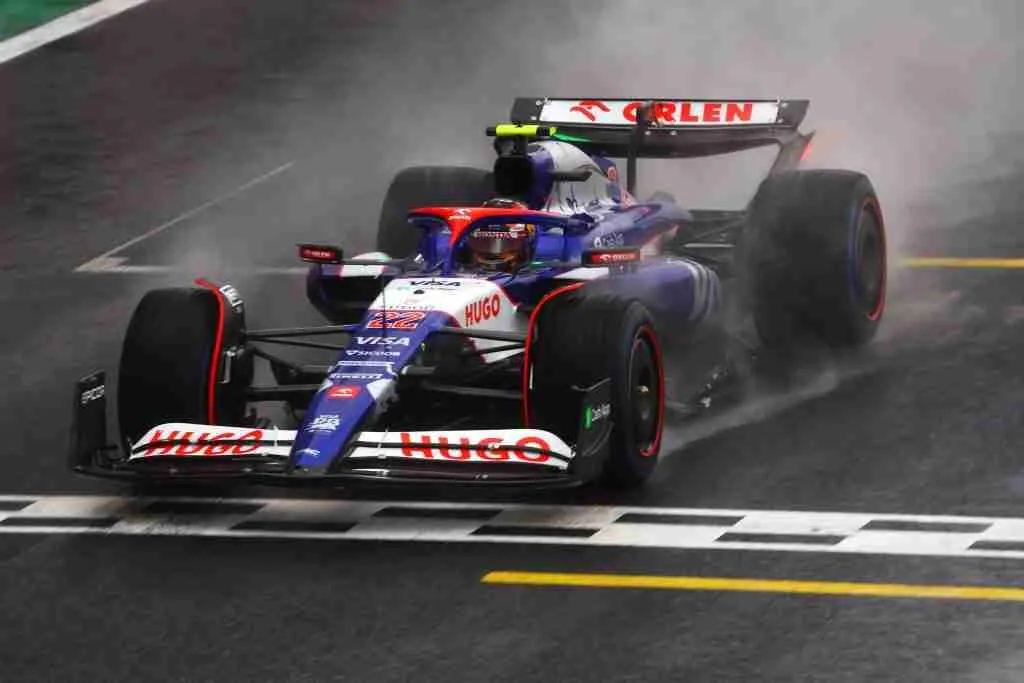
x: 233, y: 297
x: 596, y: 413
x: 435, y: 283
x: 610, y: 258
x: 695, y: 112
x: 382, y: 341
x: 94, y: 394
x: 362, y: 353
x: 363, y: 363
x: 395, y: 320
x: 342, y: 376
x: 515, y: 231
x: 342, y: 391
x: 492, y: 233
x: 461, y: 215
x: 587, y: 108
x: 324, y: 424
x: 485, y: 309
x: 379, y: 366
x: 318, y: 253
x: 612, y: 239
x: 311, y: 452
x: 672, y: 113
x: 615, y: 258
x: 493, y: 449
x: 207, y: 443
x: 416, y: 305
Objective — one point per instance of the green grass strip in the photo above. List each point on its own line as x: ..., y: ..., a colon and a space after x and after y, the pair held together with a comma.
x: 18, y: 16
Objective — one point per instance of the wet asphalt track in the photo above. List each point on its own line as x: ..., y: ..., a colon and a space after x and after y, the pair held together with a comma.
x: 142, y: 119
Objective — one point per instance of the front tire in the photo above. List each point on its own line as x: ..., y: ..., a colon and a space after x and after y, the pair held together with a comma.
x: 167, y: 359
x: 581, y: 338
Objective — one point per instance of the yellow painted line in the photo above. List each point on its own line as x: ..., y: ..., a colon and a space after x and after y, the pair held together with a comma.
x: 950, y: 262
x: 702, y: 583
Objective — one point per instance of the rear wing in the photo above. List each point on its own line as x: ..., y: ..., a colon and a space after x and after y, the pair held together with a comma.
x: 659, y: 129
x: 668, y: 128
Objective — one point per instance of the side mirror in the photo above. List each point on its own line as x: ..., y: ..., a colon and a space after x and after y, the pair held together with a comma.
x: 320, y: 253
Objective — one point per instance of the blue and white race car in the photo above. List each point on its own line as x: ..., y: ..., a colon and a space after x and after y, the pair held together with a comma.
x: 519, y: 325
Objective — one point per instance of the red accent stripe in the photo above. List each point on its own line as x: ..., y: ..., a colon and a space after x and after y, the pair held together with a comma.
x: 806, y: 153
x: 872, y: 206
x: 218, y: 343
x: 529, y: 338
x: 653, y: 338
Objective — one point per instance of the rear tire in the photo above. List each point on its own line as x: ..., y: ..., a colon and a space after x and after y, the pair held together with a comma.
x: 815, y: 252
x: 421, y: 186
x: 581, y: 338
x: 166, y: 363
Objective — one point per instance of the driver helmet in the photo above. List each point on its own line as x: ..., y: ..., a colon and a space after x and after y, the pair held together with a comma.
x: 501, y: 247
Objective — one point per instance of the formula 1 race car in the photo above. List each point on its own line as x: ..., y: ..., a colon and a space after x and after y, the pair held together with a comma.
x: 518, y: 325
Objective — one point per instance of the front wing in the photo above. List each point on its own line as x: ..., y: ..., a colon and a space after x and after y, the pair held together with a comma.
x: 187, y: 451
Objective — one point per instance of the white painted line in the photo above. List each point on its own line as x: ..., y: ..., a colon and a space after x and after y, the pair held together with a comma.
x: 656, y: 536
x: 387, y: 529
x: 66, y: 25
x: 519, y: 523
x: 74, y: 506
x: 909, y: 543
x: 103, y: 262
x: 566, y: 517
x: 1006, y: 530
x: 771, y: 521
x: 298, y: 510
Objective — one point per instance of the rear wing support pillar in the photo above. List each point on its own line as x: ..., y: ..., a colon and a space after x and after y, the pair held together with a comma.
x: 791, y: 153
x: 643, y: 122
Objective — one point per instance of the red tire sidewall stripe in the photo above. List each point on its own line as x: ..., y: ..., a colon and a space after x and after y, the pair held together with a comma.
x: 218, y: 343
x: 529, y: 340
x: 871, y: 205
x: 648, y: 331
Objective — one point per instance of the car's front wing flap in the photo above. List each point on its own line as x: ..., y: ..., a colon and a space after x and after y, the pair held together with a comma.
x: 197, y: 451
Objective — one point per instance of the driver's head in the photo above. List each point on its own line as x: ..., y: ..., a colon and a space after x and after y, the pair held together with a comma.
x: 501, y: 247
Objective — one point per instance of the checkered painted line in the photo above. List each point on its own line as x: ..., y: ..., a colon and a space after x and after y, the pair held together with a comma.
x: 680, y: 528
